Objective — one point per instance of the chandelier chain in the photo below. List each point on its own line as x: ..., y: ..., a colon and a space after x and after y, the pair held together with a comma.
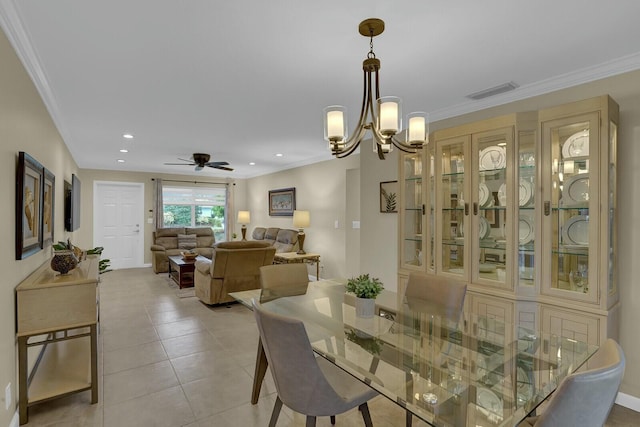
x: 371, y: 54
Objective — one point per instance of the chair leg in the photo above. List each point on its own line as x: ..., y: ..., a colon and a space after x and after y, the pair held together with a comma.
x: 276, y: 412
x: 311, y: 421
x: 333, y: 419
x: 409, y: 420
x: 366, y: 416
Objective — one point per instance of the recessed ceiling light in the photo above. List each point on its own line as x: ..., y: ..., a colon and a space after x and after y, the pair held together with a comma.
x: 124, y: 150
x: 120, y: 160
x: 252, y: 163
x: 279, y: 155
x: 127, y: 136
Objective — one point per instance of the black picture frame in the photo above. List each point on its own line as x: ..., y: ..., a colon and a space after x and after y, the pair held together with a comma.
x: 389, y: 197
x: 29, y: 188
x: 282, y: 202
x: 48, y: 206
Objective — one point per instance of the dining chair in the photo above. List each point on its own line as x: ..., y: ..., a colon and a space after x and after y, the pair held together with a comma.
x: 282, y: 280
x: 437, y: 296
x: 307, y: 384
x: 276, y: 281
x: 585, y: 398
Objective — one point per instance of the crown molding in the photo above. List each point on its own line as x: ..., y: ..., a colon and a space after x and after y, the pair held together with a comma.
x: 562, y: 81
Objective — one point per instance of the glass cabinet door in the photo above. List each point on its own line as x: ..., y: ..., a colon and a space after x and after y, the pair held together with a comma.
x: 453, y: 206
x: 572, y: 151
x: 525, y: 230
x: 412, y: 250
x: 430, y: 203
x: 491, y: 184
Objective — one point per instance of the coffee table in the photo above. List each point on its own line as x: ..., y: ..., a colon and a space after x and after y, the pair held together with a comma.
x: 181, y: 270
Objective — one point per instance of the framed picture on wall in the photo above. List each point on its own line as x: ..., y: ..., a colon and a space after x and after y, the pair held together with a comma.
x: 29, y: 182
x: 389, y: 196
x: 48, y: 206
x: 282, y: 202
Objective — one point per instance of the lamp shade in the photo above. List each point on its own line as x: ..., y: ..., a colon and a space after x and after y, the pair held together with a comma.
x: 244, y: 217
x: 301, y: 219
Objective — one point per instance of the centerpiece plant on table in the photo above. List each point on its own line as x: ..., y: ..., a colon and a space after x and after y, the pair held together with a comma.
x: 366, y: 289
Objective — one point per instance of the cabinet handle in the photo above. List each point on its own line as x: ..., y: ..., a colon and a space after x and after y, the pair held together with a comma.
x: 423, y: 209
x: 545, y: 346
x: 547, y: 208
x: 475, y: 208
x: 466, y: 209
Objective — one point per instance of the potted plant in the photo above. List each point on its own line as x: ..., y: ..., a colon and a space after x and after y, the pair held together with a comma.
x: 366, y: 289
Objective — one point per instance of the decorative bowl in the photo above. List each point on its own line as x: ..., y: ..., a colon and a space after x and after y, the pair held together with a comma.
x: 64, y: 261
x: 189, y: 256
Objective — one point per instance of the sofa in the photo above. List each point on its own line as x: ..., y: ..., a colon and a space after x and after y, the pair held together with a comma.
x: 284, y: 240
x: 233, y: 267
x: 173, y: 241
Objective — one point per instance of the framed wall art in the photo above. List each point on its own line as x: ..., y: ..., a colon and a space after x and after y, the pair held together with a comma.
x: 48, y: 205
x: 282, y: 202
x: 29, y: 186
x: 389, y: 196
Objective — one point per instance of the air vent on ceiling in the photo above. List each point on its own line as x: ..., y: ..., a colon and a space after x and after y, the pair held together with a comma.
x: 505, y: 87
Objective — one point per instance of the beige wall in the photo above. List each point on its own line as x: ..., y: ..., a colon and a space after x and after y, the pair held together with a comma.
x: 25, y: 125
x: 320, y: 189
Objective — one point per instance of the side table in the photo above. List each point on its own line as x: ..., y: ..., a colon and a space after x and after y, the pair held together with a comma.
x: 292, y: 257
x: 182, y: 271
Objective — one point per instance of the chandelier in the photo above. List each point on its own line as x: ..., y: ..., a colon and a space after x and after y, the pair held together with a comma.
x: 386, y: 119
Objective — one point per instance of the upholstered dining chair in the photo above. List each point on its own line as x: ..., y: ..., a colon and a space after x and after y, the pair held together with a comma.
x: 585, y: 398
x: 307, y: 384
x: 437, y: 296
x: 282, y: 280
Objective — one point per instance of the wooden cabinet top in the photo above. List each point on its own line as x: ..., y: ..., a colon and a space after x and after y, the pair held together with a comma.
x: 45, y: 277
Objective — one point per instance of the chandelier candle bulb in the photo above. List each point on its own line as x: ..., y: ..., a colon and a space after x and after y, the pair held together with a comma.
x: 389, y: 115
x: 335, y: 123
x: 417, y: 128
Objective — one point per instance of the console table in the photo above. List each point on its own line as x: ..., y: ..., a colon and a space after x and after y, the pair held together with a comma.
x: 292, y: 257
x: 57, y: 315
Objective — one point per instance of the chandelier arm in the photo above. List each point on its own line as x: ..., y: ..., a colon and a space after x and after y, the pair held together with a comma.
x: 403, y: 146
x: 350, y: 149
x: 354, y: 141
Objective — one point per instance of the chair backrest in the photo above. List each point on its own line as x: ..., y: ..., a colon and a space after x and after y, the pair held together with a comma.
x: 300, y: 383
x: 436, y: 295
x: 585, y: 398
x: 281, y: 280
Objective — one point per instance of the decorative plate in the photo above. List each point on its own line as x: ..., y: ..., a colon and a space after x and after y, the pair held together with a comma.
x: 526, y: 231
x: 577, y: 145
x: 489, y: 401
x: 484, y: 195
x: 485, y: 228
x: 492, y: 158
x: 576, y: 189
x: 576, y: 231
x: 502, y: 195
x: 525, y: 192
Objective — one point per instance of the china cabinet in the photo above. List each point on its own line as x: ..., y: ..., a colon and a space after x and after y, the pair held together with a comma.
x: 521, y: 207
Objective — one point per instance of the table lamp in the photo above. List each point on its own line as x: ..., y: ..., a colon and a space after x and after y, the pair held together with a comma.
x: 244, y: 218
x: 301, y: 219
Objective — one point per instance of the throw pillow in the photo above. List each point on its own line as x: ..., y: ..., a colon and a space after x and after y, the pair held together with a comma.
x: 187, y: 241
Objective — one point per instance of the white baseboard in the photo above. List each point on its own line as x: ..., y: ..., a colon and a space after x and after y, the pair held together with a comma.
x: 146, y: 265
x: 628, y: 401
x: 15, y: 421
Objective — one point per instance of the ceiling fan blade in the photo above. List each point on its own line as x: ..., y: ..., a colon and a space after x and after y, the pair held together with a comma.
x: 212, y: 164
x: 188, y: 160
x: 224, y: 168
x: 180, y: 164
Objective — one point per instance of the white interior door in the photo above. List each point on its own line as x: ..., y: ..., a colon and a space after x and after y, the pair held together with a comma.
x: 118, y: 215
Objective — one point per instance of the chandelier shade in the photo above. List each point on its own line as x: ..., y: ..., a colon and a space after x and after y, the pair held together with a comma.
x: 384, y: 119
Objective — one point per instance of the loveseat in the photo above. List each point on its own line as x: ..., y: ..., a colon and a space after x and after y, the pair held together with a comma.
x: 284, y: 240
x: 233, y: 267
x: 173, y: 241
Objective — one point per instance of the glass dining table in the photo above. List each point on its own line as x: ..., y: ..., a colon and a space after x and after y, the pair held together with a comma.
x: 472, y: 371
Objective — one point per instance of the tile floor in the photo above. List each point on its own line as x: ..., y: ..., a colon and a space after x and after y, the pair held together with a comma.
x: 169, y: 361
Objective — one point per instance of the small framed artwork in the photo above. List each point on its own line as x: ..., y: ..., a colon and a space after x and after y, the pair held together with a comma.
x: 48, y: 206
x: 29, y: 184
x: 282, y: 202
x: 389, y: 196
x: 493, y: 215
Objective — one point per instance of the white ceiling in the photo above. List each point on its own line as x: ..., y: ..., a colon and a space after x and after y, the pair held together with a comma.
x: 246, y: 79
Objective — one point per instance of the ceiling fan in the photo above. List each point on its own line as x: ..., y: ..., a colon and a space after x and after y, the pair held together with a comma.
x: 200, y: 160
